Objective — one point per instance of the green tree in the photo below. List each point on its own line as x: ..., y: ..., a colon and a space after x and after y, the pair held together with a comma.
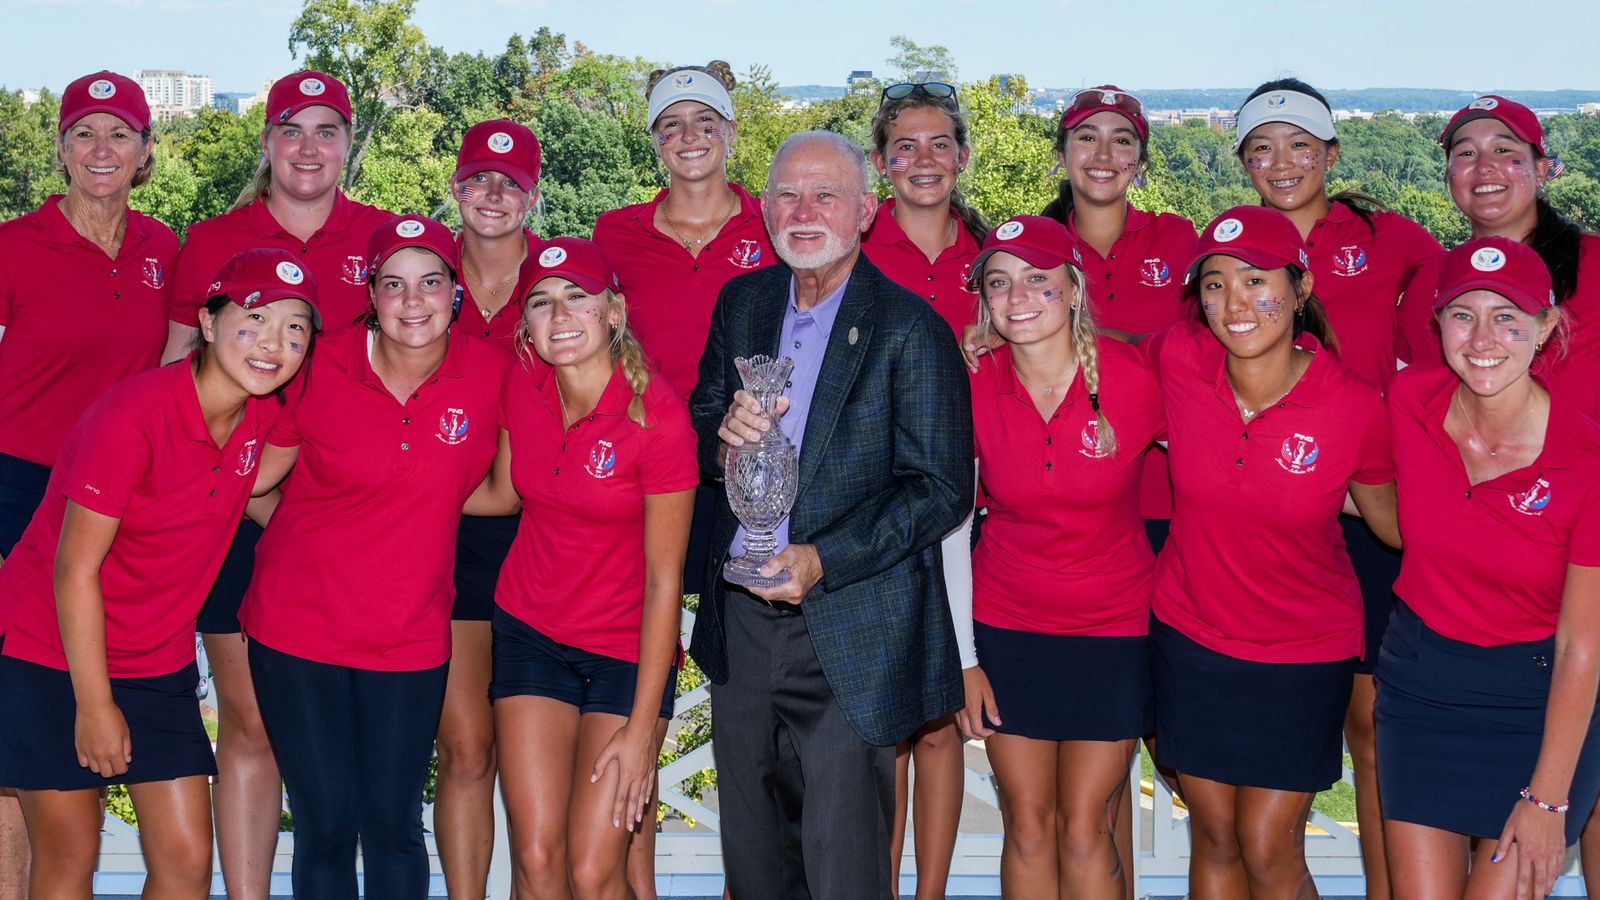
x: 370, y: 45
x: 763, y: 124
x: 403, y: 173
x: 171, y: 192
x: 28, y: 169
x: 915, y: 62
x: 1578, y: 196
x: 1009, y: 172
x: 589, y: 174
x: 223, y: 150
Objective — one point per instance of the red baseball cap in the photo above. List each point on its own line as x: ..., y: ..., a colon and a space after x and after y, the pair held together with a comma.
x: 1259, y: 235
x: 264, y: 275
x: 411, y: 231
x: 500, y: 145
x: 1105, y: 98
x: 105, y: 92
x: 1039, y: 241
x: 292, y: 93
x: 1509, y: 268
x: 1520, y: 119
x: 579, y: 261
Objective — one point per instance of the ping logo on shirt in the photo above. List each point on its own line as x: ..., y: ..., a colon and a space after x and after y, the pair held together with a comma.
x: 1008, y: 231
x: 410, y: 228
x: 1227, y: 230
x: 1090, y: 438
x: 1299, y: 454
x: 1533, y: 501
x: 289, y: 273
x: 747, y: 255
x: 1154, y: 272
x: 500, y: 142
x: 1349, y: 260
x: 102, y: 90
x: 602, y: 460
x: 453, y: 426
x: 354, y: 270
x: 249, y: 455
x: 153, y: 276
x: 1488, y: 259
x: 312, y: 87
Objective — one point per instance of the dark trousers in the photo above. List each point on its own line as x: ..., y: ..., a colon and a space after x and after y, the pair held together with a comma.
x: 806, y: 803
x: 22, y: 486
x: 354, y: 747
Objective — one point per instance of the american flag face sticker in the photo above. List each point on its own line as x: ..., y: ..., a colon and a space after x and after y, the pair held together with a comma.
x: 899, y: 163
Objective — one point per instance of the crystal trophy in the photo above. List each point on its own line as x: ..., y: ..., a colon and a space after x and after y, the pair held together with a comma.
x: 761, y: 477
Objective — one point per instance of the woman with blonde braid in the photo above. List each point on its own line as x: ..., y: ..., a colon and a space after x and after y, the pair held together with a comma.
x: 1063, y: 574
x: 600, y: 457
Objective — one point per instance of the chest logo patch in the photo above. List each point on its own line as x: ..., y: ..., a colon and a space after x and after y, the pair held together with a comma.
x: 154, y: 278
x: 1299, y: 454
x: 354, y: 270
x: 453, y: 426
x: 1349, y: 260
x: 602, y: 460
x: 746, y: 255
x: 249, y: 455
x: 1090, y: 439
x: 1533, y: 501
x: 1155, y: 273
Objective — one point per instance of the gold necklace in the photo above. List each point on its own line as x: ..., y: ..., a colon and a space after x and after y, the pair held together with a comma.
x: 491, y: 292
x: 1047, y: 387
x: 690, y: 244
x: 1460, y: 404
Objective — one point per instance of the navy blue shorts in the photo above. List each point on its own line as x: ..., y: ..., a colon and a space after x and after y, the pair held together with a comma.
x: 1157, y: 530
x: 22, y: 487
x: 1065, y: 687
x: 1460, y: 727
x: 529, y: 664
x: 1278, y: 726
x: 1377, y: 566
x: 482, y: 543
x: 37, y: 747
x: 220, y: 615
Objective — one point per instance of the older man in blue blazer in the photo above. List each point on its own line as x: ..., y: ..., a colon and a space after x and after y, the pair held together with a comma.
x: 815, y: 680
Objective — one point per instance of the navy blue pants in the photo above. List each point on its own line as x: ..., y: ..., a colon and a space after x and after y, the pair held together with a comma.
x: 354, y: 747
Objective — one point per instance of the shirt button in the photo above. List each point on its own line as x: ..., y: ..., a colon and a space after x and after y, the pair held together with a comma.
x: 1469, y: 495
x: 113, y: 271
x: 558, y: 470
x: 1239, y: 461
x: 697, y: 267
x: 797, y: 345
x: 1111, y: 296
x: 116, y: 293
x: 405, y: 446
x: 1050, y: 440
x: 216, y: 468
x: 213, y: 492
x: 1245, y: 435
x: 405, y: 421
x: 930, y: 276
x: 1049, y: 466
x: 788, y: 384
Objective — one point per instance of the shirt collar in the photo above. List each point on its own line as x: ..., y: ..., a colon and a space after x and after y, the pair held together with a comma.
x: 748, y: 206
x: 1306, y: 393
x: 614, y: 400
x: 885, y: 231
x: 824, y: 312
x: 1338, y: 214
x: 1006, y: 381
x: 58, y: 229
x: 453, y: 366
x: 265, y: 224
x: 1136, y: 220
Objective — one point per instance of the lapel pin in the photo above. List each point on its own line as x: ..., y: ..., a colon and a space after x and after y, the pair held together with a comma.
x: 855, y: 335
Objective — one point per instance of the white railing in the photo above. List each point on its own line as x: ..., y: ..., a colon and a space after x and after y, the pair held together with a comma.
x: 689, y: 862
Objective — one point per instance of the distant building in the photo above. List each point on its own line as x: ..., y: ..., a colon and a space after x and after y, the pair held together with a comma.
x: 229, y: 100
x: 174, y: 92
x: 859, y: 78
x: 245, y: 104
x: 1588, y: 109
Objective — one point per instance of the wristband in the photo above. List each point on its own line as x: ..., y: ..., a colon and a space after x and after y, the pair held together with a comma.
x: 1527, y: 795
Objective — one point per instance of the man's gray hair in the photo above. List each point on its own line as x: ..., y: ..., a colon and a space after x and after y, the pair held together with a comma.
x: 844, y: 145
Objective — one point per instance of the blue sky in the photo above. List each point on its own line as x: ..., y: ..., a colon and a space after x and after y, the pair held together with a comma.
x: 1471, y: 45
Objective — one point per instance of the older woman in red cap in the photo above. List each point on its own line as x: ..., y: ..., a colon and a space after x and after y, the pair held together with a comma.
x: 1257, y: 615
x: 348, y: 610
x: 293, y: 203
x: 98, y: 599
x: 1488, y: 743
x: 114, y: 265
x: 495, y: 187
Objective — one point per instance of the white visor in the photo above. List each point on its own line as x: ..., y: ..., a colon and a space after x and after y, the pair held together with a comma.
x: 1293, y: 107
x: 689, y: 84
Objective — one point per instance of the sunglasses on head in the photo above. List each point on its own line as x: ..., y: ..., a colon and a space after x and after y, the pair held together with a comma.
x: 934, y: 90
x: 1091, y: 98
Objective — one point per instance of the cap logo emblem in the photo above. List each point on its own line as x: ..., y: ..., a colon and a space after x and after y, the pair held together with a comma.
x: 1488, y: 259
x: 290, y: 273
x: 1077, y: 257
x: 683, y: 80
x: 553, y: 256
x: 1483, y: 103
x: 500, y: 142
x: 312, y: 87
x: 1008, y: 231
x: 1227, y: 230
x: 102, y: 89
x: 410, y: 228
x: 250, y: 299
x: 1109, y: 98
x: 1276, y: 101
x: 1305, y: 261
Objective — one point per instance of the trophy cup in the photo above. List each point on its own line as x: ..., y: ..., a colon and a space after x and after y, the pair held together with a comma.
x: 761, y: 477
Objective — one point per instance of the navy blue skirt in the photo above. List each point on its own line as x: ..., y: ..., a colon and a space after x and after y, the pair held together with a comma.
x: 528, y: 663
x: 37, y: 747
x: 1064, y: 687
x: 1460, y: 727
x: 22, y: 487
x: 482, y: 543
x: 1278, y: 726
x: 220, y: 614
x: 1377, y: 566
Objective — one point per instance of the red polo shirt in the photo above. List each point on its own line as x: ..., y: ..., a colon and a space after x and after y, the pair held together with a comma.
x: 1256, y: 566
x: 355, y: 567
x: 1361, y: 272
x: 576, y: 572
x: 670, y: 293
x: 943, y: 282
x: 501, y: 328
x: 1063, y: 550
x: 1486, y: 563
x: 76, y: 321
x: 1138, y: 288
x: 1573, y: 371
x: 336, y: 255
x: 144, y: 456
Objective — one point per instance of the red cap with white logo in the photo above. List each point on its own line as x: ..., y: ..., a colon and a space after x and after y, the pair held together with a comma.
x: 292, y: 93
x: 1509, y: 268
x: 105, y: 92
x: 1039, y: 241
x: 1259, y: 235
x: 500, y: 145
x: 579, y: 261
x: 263, y: 275
x: 1520, y: 119
x: 411, y: 231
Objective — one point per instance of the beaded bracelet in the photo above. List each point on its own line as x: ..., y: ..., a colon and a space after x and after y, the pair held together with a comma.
x: 1527, y: 795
